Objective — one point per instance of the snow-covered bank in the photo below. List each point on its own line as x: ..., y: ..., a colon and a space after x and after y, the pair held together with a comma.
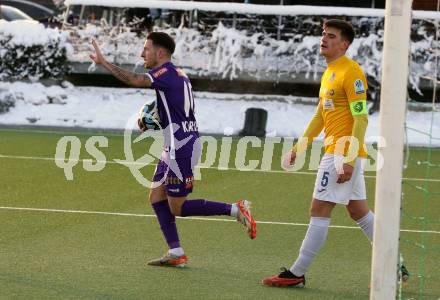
x: 93, y: 107
x: 30, y: 50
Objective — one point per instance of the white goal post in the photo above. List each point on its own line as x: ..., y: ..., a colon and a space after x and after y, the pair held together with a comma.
x: 389, y: 178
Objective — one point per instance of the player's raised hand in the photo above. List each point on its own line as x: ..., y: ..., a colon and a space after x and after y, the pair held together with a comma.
x: 346, y: 175
x: 289, y: 159
x: 98, y: 58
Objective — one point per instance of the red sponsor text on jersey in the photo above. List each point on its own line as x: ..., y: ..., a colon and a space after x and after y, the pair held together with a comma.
x: 160, y: 72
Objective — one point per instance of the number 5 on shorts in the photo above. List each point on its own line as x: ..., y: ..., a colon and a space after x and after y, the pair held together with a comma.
x: 324, y: 180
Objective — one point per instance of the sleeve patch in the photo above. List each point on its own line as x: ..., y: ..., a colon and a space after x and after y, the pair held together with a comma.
x: 358, y: 107
x: 160, y: 72
x: 359, y: 86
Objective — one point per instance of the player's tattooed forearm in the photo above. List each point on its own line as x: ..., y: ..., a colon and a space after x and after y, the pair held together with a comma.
x: 127, y: 77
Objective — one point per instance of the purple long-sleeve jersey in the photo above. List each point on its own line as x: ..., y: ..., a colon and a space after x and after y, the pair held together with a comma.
x: 175, y: 103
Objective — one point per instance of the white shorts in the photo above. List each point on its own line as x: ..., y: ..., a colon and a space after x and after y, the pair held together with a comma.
x: 326, y: 187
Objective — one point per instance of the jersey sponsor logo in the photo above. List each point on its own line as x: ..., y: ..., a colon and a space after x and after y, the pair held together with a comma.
x: 189, y: 182
x: 160, y: 72
x: 328, y: 104
x: 189, y: 126
x: 359, y: 86
x: 358, y: 108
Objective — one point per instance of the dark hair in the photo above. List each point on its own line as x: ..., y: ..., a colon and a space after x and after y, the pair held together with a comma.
x: 347, y: 31
x: 163, y: 40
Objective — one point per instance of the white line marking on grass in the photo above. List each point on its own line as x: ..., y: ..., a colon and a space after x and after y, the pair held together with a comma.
x: 184, y: 218
x: 212, y: 168
x: 61, y: 131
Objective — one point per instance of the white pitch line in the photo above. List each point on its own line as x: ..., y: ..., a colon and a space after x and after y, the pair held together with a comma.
x: 211, y: 168
x: 185, y: 218
x: 94, y: 131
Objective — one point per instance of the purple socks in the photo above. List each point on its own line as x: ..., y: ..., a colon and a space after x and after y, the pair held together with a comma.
x: 167, y: 223
x: 199, y: 207
x: 202, y: 207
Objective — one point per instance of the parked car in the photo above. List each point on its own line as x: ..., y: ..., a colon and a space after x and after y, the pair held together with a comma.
x: 10, y: 13
x: 35, y: 10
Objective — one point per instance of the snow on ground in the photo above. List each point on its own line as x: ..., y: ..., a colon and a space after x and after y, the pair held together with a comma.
x: 111, y: 108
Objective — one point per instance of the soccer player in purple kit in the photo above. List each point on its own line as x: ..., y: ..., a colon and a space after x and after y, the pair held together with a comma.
x: 173, y: 178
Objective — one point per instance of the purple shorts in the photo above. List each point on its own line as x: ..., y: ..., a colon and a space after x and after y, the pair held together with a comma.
x: 175, y: 174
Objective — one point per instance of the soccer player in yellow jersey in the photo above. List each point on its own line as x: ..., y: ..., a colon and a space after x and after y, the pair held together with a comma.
x: 342, y: 113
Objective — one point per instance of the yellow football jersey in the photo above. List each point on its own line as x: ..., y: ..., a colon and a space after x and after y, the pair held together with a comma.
x: 342, y: 83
